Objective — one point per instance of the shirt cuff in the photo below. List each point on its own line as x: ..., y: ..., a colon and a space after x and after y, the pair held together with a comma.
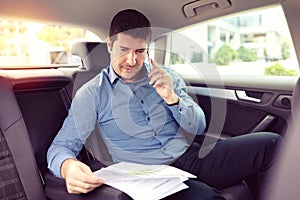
x: 56, y: 164
x: 181, y: 108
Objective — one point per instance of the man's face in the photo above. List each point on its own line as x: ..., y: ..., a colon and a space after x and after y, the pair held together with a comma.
x: 127, y: 56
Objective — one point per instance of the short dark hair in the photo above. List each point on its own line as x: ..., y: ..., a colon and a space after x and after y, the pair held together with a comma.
x: 131, y: 22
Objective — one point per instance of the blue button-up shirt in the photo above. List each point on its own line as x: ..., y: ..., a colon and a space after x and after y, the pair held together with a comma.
x: 134, y: 121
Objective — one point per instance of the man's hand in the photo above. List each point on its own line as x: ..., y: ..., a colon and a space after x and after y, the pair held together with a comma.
x: 163, y: 84
x: 79, y: 177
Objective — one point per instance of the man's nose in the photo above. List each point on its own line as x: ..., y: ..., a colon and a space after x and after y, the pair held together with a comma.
x: 131, y: 58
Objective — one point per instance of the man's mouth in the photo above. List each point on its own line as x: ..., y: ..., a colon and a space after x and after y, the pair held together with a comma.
x: 129, y: 68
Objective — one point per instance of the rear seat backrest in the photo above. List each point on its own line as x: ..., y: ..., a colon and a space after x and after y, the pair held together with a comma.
x: 95, y: 57
x: 55, y: 187
x: 19, y: 175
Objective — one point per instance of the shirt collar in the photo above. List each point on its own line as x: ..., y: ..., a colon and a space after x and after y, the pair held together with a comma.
x: 113, y: 76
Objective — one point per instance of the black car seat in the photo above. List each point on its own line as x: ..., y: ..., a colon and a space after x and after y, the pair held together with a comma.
x: 94, y: 57
x: 19, y: 175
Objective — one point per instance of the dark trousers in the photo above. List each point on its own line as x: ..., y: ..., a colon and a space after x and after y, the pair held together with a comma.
x: 243, y: 158
x: 248, y: 157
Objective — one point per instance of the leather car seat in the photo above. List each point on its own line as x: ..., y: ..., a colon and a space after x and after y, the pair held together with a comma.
x: 19, y: 174
x: 94, y: 57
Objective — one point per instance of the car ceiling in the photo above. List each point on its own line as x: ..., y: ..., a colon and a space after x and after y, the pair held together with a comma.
x: 95, y: 15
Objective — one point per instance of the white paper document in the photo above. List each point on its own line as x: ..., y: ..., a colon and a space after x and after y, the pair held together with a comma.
x: 144, y: 182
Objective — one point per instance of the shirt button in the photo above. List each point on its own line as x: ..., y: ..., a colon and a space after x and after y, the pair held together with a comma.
x: 142, y: 101
x: 154, y: 134
x: 148, y: 118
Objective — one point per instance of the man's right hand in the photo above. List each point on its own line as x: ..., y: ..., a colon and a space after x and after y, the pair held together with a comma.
x: 79, y: 177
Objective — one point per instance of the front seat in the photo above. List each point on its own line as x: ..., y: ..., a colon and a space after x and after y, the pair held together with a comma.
x: 19, y: 175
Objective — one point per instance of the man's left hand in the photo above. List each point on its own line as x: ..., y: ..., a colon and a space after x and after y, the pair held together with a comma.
x: 163, y: 83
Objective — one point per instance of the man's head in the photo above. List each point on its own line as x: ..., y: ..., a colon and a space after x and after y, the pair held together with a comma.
x: 128, y: 42
x: 131, y: 22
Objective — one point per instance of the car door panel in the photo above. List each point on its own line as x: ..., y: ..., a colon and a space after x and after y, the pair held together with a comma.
x: 251, y: 106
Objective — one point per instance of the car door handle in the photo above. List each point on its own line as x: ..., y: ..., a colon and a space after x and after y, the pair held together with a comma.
x: 242, y: 95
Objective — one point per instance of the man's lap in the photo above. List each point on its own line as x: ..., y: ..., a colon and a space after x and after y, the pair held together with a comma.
x: 197, y: 190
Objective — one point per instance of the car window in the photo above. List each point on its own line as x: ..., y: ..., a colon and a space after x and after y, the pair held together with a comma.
x: 251, y: 43
x: 25, y: 43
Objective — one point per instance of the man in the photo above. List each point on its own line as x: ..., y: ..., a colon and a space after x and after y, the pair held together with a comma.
x: 144, y: 113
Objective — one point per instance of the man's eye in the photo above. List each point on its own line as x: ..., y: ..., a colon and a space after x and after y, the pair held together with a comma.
x: 141, y: 51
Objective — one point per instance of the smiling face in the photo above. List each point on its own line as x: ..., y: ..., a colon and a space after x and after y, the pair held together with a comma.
x: 127, y: 56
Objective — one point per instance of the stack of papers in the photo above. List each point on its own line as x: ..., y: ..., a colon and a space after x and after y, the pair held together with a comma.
x: 144, y: 182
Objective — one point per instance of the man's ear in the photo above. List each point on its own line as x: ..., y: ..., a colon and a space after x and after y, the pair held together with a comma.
x: 109, y: 45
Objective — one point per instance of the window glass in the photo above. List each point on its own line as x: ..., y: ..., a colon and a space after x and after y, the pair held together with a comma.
x: 252, y: 43
x: 25, y: 43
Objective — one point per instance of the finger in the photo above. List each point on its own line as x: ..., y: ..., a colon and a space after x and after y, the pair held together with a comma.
x: 79, y: 190
x: 160, y: 83
x: 88, y: 176
x: 154, y: 64
x: 156, y: 68
x: 154, y: 72
x: 155, y: 77
x: 84, y: 181
x: 87, y: 171
x: 78, y: 186
x: 87, y: 185
x: 90, y: 179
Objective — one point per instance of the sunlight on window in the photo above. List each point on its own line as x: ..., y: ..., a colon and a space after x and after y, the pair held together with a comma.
x: 27, y: 43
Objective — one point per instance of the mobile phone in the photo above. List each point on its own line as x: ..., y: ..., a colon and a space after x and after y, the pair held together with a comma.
x: 148, y: 64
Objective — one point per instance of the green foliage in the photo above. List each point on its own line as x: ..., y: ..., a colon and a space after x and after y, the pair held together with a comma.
x: 58, y: 36
x: 176, y: 59
x: 246, y: 55
x: 197, y: 57
x: 279, y: 70
x: 285, y: 50
x: 224, y: 55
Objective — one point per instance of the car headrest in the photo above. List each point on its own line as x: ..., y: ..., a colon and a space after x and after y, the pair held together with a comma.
x: 94, y: 55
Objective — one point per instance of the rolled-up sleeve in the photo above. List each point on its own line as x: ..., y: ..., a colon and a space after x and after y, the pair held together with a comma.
x: 187, y: 113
